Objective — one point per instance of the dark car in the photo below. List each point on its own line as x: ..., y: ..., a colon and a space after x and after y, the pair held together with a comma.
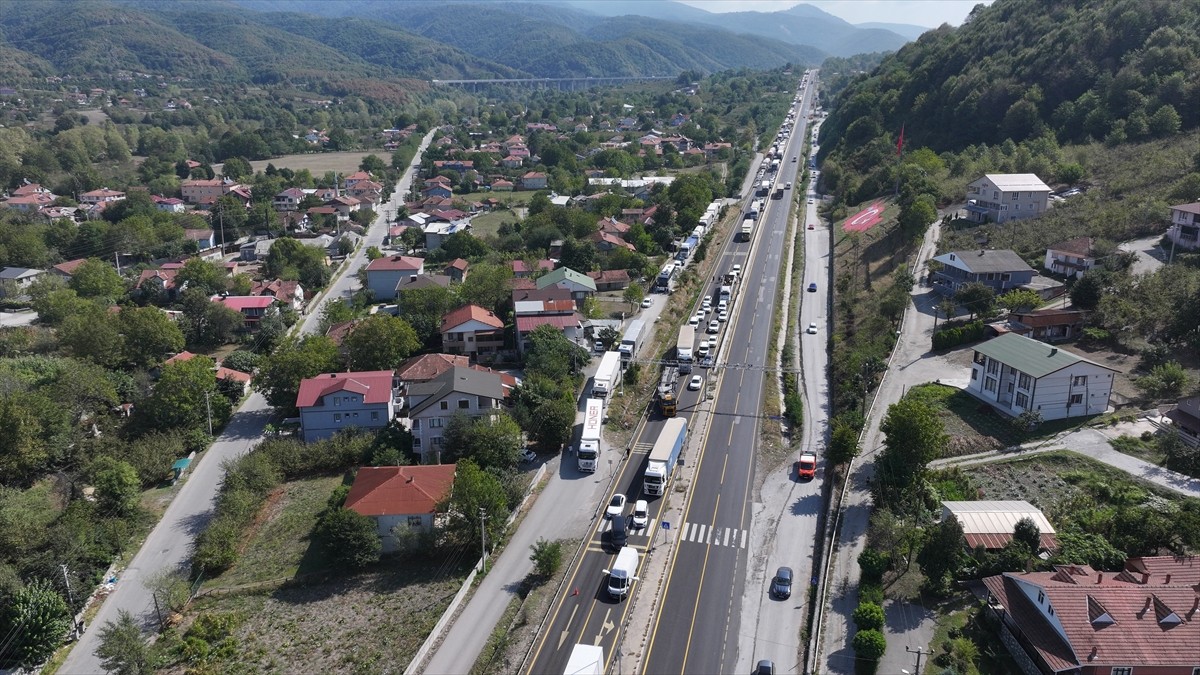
x: 764, y: 667
x: 619, y: 534
x: 812, y: 288
x: 781, y: 585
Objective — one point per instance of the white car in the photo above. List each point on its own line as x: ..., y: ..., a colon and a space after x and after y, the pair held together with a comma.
x: 695, y: 383
x: 723, y: 316
x: 810, y: 200
x: 812, y: 328
x: 702, y: 350
x: 695, y: 320
x: 737, y: 269
x: 616, y: 506
x: 707, y: 304
x: 723, y: 306
x: 646, y: 302
x: 641, y: 514
x: 714, y: 327
x: 528, y: 456
x: 712, y: 344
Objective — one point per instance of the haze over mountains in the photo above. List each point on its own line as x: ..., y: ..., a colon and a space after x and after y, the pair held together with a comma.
x: 272, y: 40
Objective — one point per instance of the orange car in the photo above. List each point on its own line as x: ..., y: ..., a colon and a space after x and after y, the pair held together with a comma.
x: 807, y: 466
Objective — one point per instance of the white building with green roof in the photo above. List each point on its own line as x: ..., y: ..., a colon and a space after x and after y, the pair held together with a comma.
x: 1016, y: 374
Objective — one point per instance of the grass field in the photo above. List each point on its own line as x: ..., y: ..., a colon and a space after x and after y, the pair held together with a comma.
x: 973, y: 426
x: 319, y: 162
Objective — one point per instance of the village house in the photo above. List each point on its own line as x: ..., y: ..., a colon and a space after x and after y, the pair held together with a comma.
x: 1000, y: 270
x: 549, y: 306
x: 457, y: 269
x: 1001, y: 197
x: 400, y: 499
x: 533, y: 180
x: 472, y: 330
x: 1046, y: 325
x: 1017, y: 374
x: 581, y: 286
x: 286, y: 293
x: 384, y: 274
x: 332, y: 402
x: 465, y: 391
x: 1184, y: 232
x: 1185, y: 418
x: 158, y: 284
x: 252, y: 308
x: 610, y: 280
x: 17, y: 278
x: 288, y: 200
x: 1072, y: 257
x: 168, y: 204
x: 206, y: 191
x: 101, y: 196
x: 990, y: 524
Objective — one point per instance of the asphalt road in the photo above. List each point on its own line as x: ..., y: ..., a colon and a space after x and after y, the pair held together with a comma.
x: 698, y: 627
x: 169, y: 544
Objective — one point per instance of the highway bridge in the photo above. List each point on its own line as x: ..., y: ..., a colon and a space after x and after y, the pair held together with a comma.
x: 561, y: 83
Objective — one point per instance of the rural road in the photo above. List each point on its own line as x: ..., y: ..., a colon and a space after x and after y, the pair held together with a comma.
x: 169, y: 544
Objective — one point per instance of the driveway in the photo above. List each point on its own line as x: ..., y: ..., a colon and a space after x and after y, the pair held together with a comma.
x: 1150, y: 255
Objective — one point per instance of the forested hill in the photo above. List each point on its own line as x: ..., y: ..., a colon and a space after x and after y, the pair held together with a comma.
x: 1111, y: 70
x: 224, y: 40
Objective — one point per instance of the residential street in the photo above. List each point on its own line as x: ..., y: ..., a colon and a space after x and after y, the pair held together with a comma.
x: 168, y: 546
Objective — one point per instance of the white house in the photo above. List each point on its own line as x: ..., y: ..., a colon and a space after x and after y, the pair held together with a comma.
x: 1001, y: 197
x: 1185, y: 226
x: 458, y: 390
x: 1072, y: 257
x: 331, y: 402
x: 471, y: 330
x: 400, y: 498
x: 1017, y: 374
x: 384, y: 274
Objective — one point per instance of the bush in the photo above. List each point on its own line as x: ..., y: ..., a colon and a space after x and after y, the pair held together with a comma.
x: 546, y: 557
x: 870, y: 592
x: 869, y: 644
x: 868, y: 616
x: 350, y: 538
x: 952, y: 337
x: 873, y: 564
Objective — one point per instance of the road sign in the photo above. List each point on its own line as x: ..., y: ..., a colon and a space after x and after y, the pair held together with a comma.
x: 665, y: 525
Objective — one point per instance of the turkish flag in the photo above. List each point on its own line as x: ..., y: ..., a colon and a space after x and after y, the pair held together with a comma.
x: 900, y: 143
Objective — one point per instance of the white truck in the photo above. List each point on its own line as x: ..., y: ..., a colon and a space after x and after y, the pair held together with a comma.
x: 585, y: 660
x: 605, y: 380
x: 664, y: 456
x: 683, y: 349
x: 623, y: 573
x: 588, y: 454
x: 747, y: 229
x: 632, y: 340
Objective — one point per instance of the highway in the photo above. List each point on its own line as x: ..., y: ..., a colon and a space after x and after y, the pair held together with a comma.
x: 698, y: 627
x: 169, y: 544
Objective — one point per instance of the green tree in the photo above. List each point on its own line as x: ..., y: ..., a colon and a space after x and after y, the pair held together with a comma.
x: 201, y: 274
x: 914, y: 435
x: 552, y: 355
x: 206, y: 323
x: 475, y: 491
x: 242, y: 360
x: 488, y: 285
x: 1020, y: 300
x: 869, y: 644
x: 1087, y: 290
x: 1166, y: 380
x: 97, y: 279
x: 843, y: 442
x: 1027, y: 534
x: 546, y: 557
x: 489, y: 443
x: 634, y: 293
x: 183, y: 396
x: 93, y: 333
x: 380, y: 342
x: 289, y: 259
x: 118, y: 487
x: 943, y: 554
x: 579, y: 255
x: 150, y: 335
x: 237, y: 169
x: 280, y: 374
x: 42, y: 617
x: 977, y: 298
x: 1082, y: 548
x: 545, y: 411
x: 424, y: 308
x: 123, y: 649
x: 350, y: 538
x: 868, y: 616
x: 1165, y: 121
x: 918, y: 215
x: 372, y: 164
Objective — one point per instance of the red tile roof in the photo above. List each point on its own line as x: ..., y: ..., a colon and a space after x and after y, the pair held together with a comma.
x: 459, y: 264
x: 400, y: 490
x: 466, y: 313
x: 1080, y: 246
x: 395, y: 262
x: 374, y: 385
x: 528, y: 323
x: 241, y: 302
x: 180, y: 357
x: 224, y: 373
x: 68, y: 268
x: 1145, y: 615
x: 428, y: 366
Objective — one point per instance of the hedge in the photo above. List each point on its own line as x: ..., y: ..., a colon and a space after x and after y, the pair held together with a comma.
x: 952, y: 337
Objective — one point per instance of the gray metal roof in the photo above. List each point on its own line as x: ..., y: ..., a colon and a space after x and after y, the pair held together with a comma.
x: 985, y: 261
x: 1036, y: 359
x: 460, y: 380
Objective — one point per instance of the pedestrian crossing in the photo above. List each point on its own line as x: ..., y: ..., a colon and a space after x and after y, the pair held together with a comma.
x: 695, y: 533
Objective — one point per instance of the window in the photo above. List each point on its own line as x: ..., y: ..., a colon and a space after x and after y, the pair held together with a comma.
x: 1017, y: 207
x: 1010, y: 387
x: 414, y: 521
x: 1041, y: 597
x: 337, y: 417
x: 1022, y: 401
x: 464, y: 404
x: 355, y: 415
x: 993, y: 366
x: 974, y: 374
x: 990, y: 384
x: 1015, y: 195
x: 435, y: 423
x: 337, y: 400
x: 1076, y: 399
x: 1125, y: 670
x: 445, y: 405
x: 1024, y: 381
x: 374, y: 415
x: 1079, y: 380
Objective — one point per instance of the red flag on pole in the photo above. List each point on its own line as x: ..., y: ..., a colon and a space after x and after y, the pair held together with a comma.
x: 900, y: 142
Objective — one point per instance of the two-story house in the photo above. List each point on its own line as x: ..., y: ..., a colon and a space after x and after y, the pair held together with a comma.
x: 1001, y: 270
x: 1072, y: 257
x: 288, y: 200
x: 1001, y: 197
x: 206, y: 191
x: 1017, y: 374
x: 1184, y: 232
x: 472, y: 330
x: 286, y: 293
x: 384, y: 274
x: 400, y: 499
x: 332, y: 402
x: 101, y: 196
x: 252, y: 308
x: 533, y: 180
x: 17, y: 279
x: 549, y: 306
x: 580, y: 285
x: 432, y: 404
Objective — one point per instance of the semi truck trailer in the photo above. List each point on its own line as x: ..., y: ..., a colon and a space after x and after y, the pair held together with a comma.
x: 664, y: 456
x: 588, y: 454
x: 605, y: 380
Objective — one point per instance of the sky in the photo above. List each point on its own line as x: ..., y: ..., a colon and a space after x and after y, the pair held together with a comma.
x: 928, y: 13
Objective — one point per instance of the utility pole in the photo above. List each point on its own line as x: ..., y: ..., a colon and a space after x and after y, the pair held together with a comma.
x: 208, y: 406
x: 75, y: 625
x: 919, y: 654
x: 482, y: 540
